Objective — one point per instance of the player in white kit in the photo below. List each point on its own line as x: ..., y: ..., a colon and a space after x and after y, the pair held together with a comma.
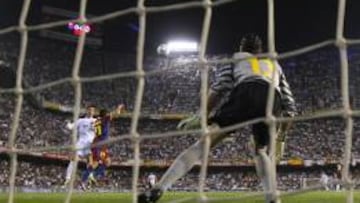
x: 85, y: 137
x: 324, y: 180
x: 151, y: 180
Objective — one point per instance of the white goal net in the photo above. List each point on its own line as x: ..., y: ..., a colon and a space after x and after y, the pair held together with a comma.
x: 134, y: 136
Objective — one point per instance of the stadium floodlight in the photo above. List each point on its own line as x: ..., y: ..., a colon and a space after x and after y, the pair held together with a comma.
x: 182, y: 46
x: 178, y: 47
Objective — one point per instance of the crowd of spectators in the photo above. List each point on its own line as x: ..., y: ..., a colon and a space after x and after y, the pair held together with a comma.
x: 50, y: 175
x: 173, y: 87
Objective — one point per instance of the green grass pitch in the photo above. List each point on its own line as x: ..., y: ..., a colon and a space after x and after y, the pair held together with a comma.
x: 316, y: 197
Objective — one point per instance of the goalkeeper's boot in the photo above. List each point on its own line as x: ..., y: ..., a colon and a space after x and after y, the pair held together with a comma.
x: 276, y: 199
x: 150, y: 196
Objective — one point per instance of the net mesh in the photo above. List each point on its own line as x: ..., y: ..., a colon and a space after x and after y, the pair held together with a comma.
x: 141, y: 10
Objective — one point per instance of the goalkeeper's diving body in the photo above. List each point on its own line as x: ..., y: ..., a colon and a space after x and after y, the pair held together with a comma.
x: 245, y: 85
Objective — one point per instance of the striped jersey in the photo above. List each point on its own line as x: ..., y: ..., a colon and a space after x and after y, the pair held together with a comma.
x: 254, y: 69
x: 102, y: 128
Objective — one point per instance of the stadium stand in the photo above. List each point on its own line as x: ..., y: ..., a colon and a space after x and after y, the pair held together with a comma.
x: 314, y: 78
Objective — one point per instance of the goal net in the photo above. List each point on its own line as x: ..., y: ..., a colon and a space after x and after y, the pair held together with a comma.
x: 134, y: 138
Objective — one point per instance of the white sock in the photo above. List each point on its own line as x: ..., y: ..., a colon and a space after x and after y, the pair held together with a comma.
x: 182, y: 164
x: 69, y: 170
x: 263, y: 168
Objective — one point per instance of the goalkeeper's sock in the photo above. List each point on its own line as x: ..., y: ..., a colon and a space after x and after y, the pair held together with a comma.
x: 263, y: 166
x: 183, y: 163
x: 69, y: 170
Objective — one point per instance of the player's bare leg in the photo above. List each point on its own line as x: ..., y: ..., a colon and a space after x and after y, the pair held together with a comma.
x: 182, y: 164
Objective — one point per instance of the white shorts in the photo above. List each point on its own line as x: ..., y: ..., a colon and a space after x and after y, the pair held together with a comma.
x: 84, y: 146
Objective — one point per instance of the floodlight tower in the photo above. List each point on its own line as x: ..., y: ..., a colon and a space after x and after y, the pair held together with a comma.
x: 175, y: 48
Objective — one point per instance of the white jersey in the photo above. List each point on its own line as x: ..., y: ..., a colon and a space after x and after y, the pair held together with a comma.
x: 86, y: 135
x: 151, y: 179
x: 85, y: 129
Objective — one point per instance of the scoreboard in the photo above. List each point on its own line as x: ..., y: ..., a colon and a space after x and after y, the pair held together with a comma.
x: 78, y: 29
x: 71, y: 31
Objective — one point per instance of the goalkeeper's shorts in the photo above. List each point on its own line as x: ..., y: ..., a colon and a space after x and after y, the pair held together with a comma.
x: 248, y: 101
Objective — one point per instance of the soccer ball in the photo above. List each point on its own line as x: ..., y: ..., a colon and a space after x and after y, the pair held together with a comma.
x: 69, y: 125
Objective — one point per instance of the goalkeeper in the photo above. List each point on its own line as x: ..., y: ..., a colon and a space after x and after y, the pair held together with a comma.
x: 244, y: 84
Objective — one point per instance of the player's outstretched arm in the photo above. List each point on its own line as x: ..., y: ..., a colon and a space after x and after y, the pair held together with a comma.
x: 213, y: 99
x: 193, y: 122
x: 281, y: 139
x: 289, y: 110
x: 120, y: 109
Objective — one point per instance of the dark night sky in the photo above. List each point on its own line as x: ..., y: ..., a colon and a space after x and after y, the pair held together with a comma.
x: 298, y: 22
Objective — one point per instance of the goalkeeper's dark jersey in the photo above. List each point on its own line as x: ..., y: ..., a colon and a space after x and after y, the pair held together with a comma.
x: 253, y: 69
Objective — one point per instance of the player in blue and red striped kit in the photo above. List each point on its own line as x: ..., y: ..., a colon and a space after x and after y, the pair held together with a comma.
x: 100, y: 154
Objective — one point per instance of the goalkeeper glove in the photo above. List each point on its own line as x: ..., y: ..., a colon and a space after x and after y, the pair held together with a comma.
x: 280, y: 141
x: 284, y: 128
x: 190, y: 123
x: 280, y: 146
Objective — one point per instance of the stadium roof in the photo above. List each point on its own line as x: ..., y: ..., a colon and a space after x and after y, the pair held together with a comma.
x: 298, y: 22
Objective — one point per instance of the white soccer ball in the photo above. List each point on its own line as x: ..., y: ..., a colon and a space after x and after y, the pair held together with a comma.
x: 69, y: 125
